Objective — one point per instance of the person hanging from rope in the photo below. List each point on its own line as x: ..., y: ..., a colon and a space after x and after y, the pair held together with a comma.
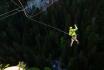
x: 72, y: 33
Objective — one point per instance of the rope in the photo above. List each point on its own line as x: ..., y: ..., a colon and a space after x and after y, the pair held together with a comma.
x: 10, y: 15
x: 35, y: 14
x: 15, y: 3
x: 9, y: 12
x: 42, y: 23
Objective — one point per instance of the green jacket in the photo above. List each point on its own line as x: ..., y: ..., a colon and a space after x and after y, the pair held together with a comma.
x: 72, y: 31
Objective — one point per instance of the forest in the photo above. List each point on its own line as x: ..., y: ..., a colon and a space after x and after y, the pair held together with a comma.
x: 43, y: 40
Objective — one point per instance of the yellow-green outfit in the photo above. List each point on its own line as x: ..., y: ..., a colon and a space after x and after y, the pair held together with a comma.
x: 72, y: 32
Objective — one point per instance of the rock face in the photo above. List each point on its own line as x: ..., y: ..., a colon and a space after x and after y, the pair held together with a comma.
x: 13, y: 68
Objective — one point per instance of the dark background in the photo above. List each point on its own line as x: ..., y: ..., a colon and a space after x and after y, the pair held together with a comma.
x: 37, y: 45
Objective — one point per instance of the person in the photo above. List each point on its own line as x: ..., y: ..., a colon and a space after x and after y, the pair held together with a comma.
x: 72, y: 33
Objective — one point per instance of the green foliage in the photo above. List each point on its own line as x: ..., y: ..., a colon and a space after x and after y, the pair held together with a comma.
x: 62, y: 42
x: 47, y: 68
x: 22, y: 65
x: 2, y: 66
x: 34, y: 68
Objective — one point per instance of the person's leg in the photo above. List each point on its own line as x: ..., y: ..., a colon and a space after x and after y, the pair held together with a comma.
x: 75, y: 39
x: 72, y: 40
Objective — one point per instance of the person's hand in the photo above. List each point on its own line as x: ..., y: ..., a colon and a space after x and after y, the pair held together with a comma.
x: 75, y: 25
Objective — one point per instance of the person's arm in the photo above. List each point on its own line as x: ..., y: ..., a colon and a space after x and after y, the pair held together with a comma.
x: 76, y: 28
